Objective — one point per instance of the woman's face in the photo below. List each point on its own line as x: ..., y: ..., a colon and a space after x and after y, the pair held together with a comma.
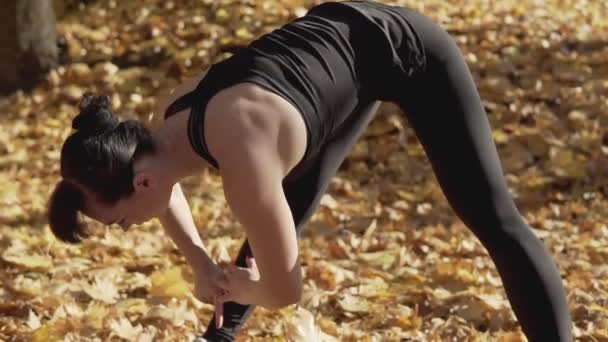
x: 149, y: 200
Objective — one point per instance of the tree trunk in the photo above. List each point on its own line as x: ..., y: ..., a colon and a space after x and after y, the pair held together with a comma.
x: 28, y: 43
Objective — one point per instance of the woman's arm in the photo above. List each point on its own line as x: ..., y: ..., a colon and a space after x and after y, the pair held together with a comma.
x: 252, y: 150
x: 254, y: 191
x: 178, y: 223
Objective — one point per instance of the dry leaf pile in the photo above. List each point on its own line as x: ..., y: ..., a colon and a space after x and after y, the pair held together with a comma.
x: 384, y: 257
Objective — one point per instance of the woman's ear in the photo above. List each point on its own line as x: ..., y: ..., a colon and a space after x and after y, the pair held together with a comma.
x: 143, y: 181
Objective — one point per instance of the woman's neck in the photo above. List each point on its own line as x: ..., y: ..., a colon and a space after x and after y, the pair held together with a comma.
x: 175, y: 159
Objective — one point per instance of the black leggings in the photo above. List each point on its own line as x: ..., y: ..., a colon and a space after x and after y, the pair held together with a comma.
x: 443, y: 106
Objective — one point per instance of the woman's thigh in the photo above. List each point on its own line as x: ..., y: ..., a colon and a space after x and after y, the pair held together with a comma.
x: 445, y: 110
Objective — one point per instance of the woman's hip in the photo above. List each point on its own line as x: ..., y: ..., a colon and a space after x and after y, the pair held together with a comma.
x: 390, y: 44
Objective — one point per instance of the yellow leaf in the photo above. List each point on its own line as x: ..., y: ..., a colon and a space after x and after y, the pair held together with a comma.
x: 222, y: 15
x: 30, y: 261
x: 27, y: 284
x: 499, y: 136
x: 511, y: 337
x: 405, y: 317
x: 373, y: 287
x: 383, y: 259
x: 103, y: 289
x: 169, y: 283
x: 176, y: 315
x: 132, y: 305
x: 243, y: 33
x: 566, y: 164
x: 50, y: 332
x: 352, y: 303
x: 301, y: 327
x: 124, y: 329
x: 33, y: 322
x: 599, y: 308
x: 95, y: 315
x: 43, y: 334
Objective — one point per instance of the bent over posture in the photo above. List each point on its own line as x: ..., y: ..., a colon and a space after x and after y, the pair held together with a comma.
x: 277, y: 119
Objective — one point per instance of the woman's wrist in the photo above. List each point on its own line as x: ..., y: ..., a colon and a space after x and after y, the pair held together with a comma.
x: 198, y: 258
x: 205, y: 263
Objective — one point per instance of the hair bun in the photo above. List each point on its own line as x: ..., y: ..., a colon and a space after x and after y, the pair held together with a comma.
x: 95, y: 116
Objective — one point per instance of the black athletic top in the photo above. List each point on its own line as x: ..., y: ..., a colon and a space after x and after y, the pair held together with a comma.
x: 314, y: 62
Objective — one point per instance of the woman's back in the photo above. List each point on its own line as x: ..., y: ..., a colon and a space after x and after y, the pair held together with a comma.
x: 312, y: 62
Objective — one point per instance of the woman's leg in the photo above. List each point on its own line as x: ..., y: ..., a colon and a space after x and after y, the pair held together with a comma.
x: 444, y: 108
x: 303, y: 195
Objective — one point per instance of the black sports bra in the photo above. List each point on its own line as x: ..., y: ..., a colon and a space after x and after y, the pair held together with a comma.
x: 197, y: 101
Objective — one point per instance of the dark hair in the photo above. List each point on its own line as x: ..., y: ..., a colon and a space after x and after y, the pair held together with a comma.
x: 98, y: 156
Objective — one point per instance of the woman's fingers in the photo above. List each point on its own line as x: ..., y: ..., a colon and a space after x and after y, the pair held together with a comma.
x: 219, y: 313
x: 251, y: 262
x: 253, y: 268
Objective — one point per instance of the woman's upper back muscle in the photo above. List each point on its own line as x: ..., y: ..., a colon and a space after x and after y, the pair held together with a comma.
x: 247, y: 114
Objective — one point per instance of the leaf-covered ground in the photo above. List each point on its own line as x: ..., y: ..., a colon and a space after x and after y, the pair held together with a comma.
x: 384, y: 257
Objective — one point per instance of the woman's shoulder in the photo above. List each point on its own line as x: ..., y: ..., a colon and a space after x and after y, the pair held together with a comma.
x: 157, y: 118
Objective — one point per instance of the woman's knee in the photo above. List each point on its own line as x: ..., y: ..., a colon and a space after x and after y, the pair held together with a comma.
x: 495, y: 222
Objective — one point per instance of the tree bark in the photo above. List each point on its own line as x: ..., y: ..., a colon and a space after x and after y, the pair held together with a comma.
x: 28, y: 43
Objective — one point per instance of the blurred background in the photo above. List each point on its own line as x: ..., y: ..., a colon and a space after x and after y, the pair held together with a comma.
x: 384, y: 258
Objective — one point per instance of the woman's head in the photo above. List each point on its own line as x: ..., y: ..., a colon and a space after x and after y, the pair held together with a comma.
x: 97, y: 170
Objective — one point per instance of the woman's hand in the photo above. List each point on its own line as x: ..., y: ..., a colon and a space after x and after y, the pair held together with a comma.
x: 207, y: 289
x: 240, y: 284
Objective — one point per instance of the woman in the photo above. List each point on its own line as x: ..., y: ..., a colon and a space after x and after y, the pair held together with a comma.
x: 277, y: 119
